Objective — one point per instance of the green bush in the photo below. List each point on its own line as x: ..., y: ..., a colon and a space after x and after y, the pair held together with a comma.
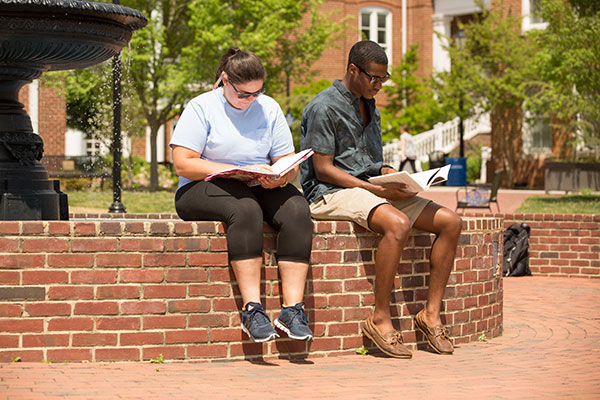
x: 76, y: 184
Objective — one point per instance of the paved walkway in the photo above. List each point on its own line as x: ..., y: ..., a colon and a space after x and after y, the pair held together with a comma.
x: 550, y: 350
x: 509, y: 200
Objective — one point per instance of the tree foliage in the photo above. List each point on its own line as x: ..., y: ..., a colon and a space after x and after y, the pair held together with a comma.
x: 568, y: 67
x: 175, y: 57
x: 491, y: 74
x: 411, y: 99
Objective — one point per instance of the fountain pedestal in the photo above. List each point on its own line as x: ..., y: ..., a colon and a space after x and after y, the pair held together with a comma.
x: 38, y: 36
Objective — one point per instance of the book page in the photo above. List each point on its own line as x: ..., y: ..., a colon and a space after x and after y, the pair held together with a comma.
x: 417, y: 182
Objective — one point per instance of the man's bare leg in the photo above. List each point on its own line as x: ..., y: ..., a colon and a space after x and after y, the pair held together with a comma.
x: 394, y: 225
x: 447, y: 226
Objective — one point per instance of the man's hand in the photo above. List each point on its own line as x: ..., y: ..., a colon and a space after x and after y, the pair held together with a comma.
x: 391, y: 191
x: 388, y: 170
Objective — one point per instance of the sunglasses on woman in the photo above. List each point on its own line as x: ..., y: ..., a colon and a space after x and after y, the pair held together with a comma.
x: 240, y: 95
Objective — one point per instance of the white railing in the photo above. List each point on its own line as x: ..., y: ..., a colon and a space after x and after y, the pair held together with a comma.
x: 443, y: 137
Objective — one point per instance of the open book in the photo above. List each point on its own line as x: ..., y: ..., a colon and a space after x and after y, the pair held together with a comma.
x: 249, y: 175
x: 417, y: 182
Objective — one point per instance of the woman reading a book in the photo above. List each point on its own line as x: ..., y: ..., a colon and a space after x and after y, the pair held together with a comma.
x: 236, y: 125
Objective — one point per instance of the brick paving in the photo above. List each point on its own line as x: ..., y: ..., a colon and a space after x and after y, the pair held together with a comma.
x: 550, y: 349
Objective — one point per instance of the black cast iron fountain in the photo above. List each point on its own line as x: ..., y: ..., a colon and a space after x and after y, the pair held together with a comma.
x: 38, y: 36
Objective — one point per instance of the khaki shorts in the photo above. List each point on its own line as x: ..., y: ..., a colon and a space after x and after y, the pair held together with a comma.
x: 356, y: 205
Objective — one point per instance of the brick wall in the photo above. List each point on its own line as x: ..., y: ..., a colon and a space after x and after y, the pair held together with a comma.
x: 125, y: 289
x: 562, y: 244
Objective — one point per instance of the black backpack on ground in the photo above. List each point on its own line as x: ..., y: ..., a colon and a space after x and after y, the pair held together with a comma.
x: 516, y: 250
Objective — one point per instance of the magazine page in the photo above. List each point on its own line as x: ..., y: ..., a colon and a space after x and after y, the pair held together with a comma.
x: 417, y: 182
x: 247, y: 174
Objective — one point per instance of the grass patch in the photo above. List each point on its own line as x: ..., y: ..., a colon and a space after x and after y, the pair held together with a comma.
x: 567, y: 204
x: 134, y: 201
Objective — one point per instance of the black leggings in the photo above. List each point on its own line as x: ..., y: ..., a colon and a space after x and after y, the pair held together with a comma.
x: 412, y: 164
x: 243, y: 209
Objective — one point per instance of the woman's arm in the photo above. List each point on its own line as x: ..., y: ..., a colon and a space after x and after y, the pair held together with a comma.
x: 189, y: 164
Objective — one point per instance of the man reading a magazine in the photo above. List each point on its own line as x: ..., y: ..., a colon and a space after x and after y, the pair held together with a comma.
x: 342, y: 125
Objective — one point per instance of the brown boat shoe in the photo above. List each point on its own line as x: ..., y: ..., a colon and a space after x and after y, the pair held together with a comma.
x: 438, y: 336
x: 390, y: 343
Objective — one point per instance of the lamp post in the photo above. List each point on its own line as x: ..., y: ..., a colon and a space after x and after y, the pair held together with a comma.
x: 116, y: 206
x: 459, y: 40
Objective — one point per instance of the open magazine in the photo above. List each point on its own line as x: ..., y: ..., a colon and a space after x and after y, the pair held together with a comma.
x: 249, y: 175
x: 417, y: 182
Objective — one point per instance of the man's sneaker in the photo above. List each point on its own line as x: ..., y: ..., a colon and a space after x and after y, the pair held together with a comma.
x: 293, y: 321
x: 256, y: 323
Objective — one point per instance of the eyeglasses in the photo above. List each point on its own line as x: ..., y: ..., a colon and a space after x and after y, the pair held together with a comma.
x: 375, y: 79
x: 245, y: 95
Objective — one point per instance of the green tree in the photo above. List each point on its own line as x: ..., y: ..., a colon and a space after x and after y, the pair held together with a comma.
x: 411, y: 99
x: 492, y: 71
x: 568, y: 66
x: 176, y: 55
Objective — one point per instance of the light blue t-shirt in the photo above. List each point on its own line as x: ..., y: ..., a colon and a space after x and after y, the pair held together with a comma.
x: 221, y: 133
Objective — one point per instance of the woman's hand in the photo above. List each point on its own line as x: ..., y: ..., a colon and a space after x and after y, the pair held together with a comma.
x: 269, y: 182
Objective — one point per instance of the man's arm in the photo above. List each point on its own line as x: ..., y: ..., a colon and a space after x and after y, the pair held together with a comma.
x: 328, y: 173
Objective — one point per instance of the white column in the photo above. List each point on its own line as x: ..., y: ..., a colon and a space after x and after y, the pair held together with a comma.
x: 34, y: 105
x: 441, y: 59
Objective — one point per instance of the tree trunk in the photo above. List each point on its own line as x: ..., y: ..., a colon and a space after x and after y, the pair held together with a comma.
x: 153, y: 157
x: 508, y: 139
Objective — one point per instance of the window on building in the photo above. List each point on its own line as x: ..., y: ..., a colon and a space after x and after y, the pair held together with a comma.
x: 375, y: 23
x: 537, y: 135
x: 531, y: 15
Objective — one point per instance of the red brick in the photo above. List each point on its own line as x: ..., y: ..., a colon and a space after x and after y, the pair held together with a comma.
x: 97, y: 277
x: 134, y: 227
x: 117, y: 292
x: 182, y: 228
x: 343, y: 329
x: 61, y: 355
x: 218, y: 244
x: 94, y: 339
x: 47, y: 309
x: 207, y: 259
x: 164, y: 260
x: 187, y: 244
x: 9, y: 227
x: 7, y: 341
x: 11, y: 310
x: 33, y: 227
x: 140, y: 338
x: 187, y: 336
x: 44, y: 245
x: 45, y: 340
x: 97, y: 308
x: 118, y: 324
x: 71, y: 260
x: 22, y: 260
x: 110, y: 228
x: 142, y: 276
x: 71, y: 293
x: 226, y: 335
x: 44, y: 277
x: 168, y: 353
x: 187, y: 275
x: 92, y: 245
x: 119, y: 260
x: 164, y: 321
x: 21, y: 325
x: 188, y: 306
x: 9, y: 278
x: 341, y: 271
x: 321, y: 344
x: 326, y: 257
x: 209, y: 320
x: 117, y: 354
x: 85, y: 228
x: 210, y: 290
x: 143, y: 307
x: 25, y: 355
x: 164, y: 291
x: 71, y: 324
x: 9, y: 245
x: 59, y: 228
x: 344, y: 300
x: 142, y: 244
x: 207, y: 351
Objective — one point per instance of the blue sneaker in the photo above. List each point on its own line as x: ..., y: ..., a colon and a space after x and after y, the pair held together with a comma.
x: 293, y: 321
x: 256, y: 323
